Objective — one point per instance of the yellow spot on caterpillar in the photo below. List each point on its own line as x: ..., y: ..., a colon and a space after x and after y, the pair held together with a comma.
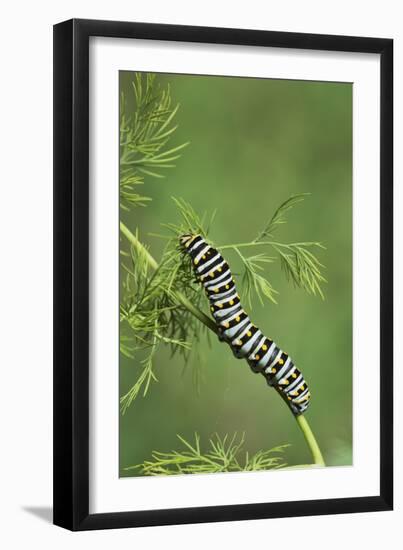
x: 294, y: 393
x: 196, y: 262
x: 219, y: 305
x: 238, y: 319
x: 281, y: 361
x: 302, y: 387
x: 216, y: 289
x: 212, y: 274
x: 257, y: 357
x: 227, y: 286
x: 238, y: 342
x: 294, y: 375
x: 249, y: 333
x: 289, y: 398
x: 273, y: 371
x: 286, y: 382
x: 231, y: 303
x: 226, y: 325
x: 204, y: 257
x: 264, y: 348
x: 212, y: 308
x: 220, y: 269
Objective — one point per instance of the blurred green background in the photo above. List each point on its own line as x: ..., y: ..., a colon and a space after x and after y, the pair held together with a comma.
x: 255, y: 142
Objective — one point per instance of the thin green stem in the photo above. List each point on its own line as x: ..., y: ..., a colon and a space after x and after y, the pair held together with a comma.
x: 209, y: 323
x: 310, y: 439
x: 196, y: 311
x: 242, y: 245
x: 138, y: 246
x: 267, y: 243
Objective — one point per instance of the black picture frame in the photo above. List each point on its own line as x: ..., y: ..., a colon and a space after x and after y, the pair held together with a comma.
x: 71, y: 274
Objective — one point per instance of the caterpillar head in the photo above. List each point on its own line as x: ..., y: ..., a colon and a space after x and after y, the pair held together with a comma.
x: 185, y: 240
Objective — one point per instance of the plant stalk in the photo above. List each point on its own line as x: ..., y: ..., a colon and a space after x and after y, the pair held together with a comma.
x: 310, y: 439
x: 209, y: 323
x: 268, y: 243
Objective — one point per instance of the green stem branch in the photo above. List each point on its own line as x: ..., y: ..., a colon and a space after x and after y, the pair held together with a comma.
x: 310, y: 439
x: 196, y: 311
x: 209, y: 323
x: 268, y: 243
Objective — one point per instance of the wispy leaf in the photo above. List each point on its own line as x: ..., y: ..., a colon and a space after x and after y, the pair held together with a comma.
x: 253, y: 281
x: 301, y: 266
x: 223, y: 454
x: 144, y: 137
x: 142, y: 384
x: 278, y: 217
x: 190, y: 221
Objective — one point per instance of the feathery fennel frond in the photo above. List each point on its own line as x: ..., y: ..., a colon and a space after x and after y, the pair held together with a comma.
x: 144, y: 137
x: 278, y: 217
x: 224, y: 454
x: 151, y: 314
x: 264, y: 460
x: 301, y: 266
x: 254, y: 282
x: 128, y: 195
x: 298, y: 259
x: 143, y: 382
x: 190, y: 221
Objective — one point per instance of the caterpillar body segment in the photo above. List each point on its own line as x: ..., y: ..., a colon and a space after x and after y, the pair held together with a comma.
x: 237, y: 330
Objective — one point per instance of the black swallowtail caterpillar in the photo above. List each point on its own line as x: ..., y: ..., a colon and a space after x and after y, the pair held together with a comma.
x: 234, y: 326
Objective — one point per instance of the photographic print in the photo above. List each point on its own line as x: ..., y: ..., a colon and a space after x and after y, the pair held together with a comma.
x: 210, y: 295
x: 235, y: 274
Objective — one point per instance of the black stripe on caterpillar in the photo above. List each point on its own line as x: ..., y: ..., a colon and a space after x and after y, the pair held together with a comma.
x: 236, y: 329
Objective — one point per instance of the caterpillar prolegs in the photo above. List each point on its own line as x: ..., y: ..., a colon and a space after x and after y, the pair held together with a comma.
x: 235, y: 328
